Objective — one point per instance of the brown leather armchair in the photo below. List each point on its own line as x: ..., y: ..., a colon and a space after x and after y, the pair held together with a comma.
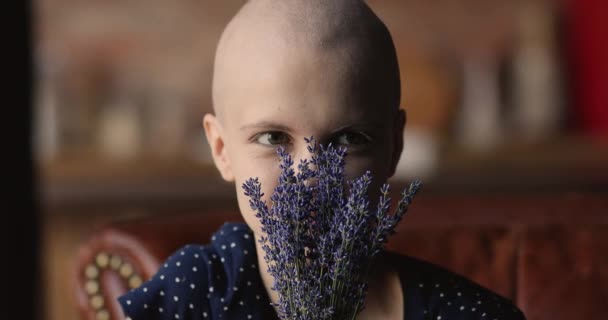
x: 549, y: 254
x: 122, y: 255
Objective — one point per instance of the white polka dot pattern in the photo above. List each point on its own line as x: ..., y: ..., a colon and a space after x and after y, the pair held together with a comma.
x: 204, y: 282
x: 221, y: 281
x: 433, y: 293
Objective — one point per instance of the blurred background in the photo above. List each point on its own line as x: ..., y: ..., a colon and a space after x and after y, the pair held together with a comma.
x: 503, y: 97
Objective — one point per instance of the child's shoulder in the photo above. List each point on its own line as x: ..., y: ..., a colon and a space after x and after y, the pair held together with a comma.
x: 198, y: 281
x: 433, y: 292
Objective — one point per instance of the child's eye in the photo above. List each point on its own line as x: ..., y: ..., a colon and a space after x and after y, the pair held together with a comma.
x: 272, y: 138
x: 353, y: 139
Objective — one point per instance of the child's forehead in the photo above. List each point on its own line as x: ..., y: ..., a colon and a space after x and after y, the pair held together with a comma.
x: 268, y: 54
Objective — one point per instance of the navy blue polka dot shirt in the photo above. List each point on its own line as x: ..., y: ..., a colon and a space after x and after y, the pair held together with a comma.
x: 221, y: 281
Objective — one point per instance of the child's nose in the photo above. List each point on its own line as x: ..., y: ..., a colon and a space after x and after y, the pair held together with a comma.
x: 302, y: 154
x: 303, y: 157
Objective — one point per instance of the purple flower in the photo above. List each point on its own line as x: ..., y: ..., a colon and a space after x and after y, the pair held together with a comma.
x: 321, y: 235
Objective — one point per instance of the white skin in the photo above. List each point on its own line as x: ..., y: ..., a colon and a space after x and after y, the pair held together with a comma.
x: 266, y: 97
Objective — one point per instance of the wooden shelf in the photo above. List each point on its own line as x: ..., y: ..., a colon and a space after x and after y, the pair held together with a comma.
x: 563, y: 166
x: 90, y: 182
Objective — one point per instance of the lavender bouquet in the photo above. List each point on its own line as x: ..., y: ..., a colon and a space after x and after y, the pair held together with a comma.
x: 320, y: 234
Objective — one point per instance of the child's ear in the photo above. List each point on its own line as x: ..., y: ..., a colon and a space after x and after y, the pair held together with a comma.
x: 399, y: 126
x: 215, y: 138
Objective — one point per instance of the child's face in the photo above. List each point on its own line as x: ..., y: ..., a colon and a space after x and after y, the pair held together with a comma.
x: 279, y: 99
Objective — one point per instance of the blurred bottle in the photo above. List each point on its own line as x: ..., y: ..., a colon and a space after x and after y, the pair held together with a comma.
x: 429, y: 100
x: 479, y: 126
x: 198, y: 147
x: 537, y: 99
x: 120, y: 132
x: 46, y: 131
x: 78, y: 96
x: 166, y: 123
x: 587, y: 30
x: 420, y: 155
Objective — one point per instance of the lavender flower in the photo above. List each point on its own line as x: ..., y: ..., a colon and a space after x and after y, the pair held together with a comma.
x: 320, y: 234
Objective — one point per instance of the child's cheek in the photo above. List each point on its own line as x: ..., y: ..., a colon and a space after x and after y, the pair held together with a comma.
x: 265, y: 170
x: 358, y: 164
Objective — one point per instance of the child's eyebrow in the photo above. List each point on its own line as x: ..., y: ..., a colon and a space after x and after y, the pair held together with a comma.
x: 269, y: 125
x: 266, y: 125
x: 362, y: 125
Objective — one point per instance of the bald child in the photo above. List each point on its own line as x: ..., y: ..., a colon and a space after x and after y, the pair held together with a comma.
x: 285, y: 70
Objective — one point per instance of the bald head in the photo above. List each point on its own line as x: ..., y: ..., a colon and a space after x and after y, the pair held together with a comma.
x: 269, y: 36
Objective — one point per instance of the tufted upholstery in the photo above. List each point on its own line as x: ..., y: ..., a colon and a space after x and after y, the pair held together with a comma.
x: 548, y: 253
